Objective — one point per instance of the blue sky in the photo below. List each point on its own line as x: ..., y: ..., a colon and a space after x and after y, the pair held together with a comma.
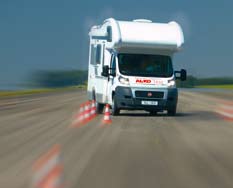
x: 53, y: 34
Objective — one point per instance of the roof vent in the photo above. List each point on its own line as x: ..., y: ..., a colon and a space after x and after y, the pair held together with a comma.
x: 143, y: 20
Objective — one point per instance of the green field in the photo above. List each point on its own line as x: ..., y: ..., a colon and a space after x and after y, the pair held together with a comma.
x: 37, y: 91
x: 227, y: 86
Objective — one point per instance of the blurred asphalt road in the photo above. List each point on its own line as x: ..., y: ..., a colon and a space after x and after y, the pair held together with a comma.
x: 191, y: 150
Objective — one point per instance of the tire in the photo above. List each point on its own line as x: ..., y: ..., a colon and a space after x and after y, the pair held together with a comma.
x: 153, y: 113
x: 115, y: 109
x: 171, y: 112
x: 99, y: 106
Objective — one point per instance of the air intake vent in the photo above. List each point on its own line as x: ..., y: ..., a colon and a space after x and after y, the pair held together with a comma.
x: 143, y: 20
x: 149, y: 94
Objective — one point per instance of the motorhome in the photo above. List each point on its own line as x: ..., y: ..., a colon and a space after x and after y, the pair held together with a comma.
x: 131, y: 68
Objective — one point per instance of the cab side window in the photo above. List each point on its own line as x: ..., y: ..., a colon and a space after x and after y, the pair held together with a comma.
x: 113, y: 66
x: 96, y: 54
x: 93, y: 52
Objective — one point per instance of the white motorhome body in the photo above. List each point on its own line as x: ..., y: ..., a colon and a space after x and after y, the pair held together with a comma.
x: 130, y: 65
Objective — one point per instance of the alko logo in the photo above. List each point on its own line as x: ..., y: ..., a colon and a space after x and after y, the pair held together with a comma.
x: 143, y: 81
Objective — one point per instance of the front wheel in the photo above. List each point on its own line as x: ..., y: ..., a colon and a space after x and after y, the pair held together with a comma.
x: 115, y: 109
x: 99, y: 108
x: 153, y: 112
x: 172, y: 111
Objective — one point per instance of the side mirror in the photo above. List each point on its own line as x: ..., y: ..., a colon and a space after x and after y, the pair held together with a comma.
x: 105, y: 71
x: 182, y: 74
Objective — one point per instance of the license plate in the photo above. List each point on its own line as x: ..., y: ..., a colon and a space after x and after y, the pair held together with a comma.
x: 155, y: 103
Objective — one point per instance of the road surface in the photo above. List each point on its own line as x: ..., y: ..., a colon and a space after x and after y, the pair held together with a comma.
x: 191, y: 150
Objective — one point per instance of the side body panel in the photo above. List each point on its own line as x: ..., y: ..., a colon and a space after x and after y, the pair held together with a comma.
x: 98, y: 84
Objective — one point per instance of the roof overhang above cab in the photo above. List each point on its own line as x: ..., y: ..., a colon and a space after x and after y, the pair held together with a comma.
x: 140, y: 35
x: 146, y: 35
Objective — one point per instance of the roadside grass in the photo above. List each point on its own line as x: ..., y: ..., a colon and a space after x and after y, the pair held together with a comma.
x: 38, y: 91
x: 227, y: 86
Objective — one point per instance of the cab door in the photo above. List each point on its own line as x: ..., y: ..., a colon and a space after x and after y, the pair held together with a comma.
x: 112, y: 77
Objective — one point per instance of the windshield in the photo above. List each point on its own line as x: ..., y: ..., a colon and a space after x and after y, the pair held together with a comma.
x: 145, y: 65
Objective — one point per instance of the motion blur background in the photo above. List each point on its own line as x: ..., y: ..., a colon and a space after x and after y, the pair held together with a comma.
x: 43, y: 75
x: 47, y: 40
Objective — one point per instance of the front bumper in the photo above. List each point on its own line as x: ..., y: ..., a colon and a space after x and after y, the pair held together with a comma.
x: 126, y: 98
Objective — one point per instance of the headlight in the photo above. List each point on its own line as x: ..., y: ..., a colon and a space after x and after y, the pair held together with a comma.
x: 171, y: 83
x: 123, y: 80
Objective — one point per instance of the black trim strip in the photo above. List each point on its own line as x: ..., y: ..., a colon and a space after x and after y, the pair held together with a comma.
x: 100, y: 37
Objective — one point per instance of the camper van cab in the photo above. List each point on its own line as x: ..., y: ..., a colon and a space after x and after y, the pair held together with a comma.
x: 130, y: 65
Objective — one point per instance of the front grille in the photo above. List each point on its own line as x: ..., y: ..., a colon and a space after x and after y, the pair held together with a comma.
x: 149, y: 94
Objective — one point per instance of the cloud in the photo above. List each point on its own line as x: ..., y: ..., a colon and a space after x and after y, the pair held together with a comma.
x: 183, y: 19
x: 106, y: 13
x: 102, y: 15
x: 90, y: 21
